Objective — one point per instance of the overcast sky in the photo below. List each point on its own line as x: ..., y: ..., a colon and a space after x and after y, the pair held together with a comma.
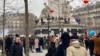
x: 35, y: 6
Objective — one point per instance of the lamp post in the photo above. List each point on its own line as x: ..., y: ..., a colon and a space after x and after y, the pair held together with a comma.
x: 48, y: 17
x: 86, y: 2
x: 48, y: 26
x: 59, y: 16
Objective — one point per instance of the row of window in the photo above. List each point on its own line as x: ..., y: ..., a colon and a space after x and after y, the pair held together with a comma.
x: 65, y: 20
x: 56, y: 31
x: 90, y: 7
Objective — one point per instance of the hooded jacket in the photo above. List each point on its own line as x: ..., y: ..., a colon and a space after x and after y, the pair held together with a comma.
x: 76, y: 50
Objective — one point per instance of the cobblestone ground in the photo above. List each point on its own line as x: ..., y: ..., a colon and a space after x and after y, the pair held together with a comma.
x: 38, y: 54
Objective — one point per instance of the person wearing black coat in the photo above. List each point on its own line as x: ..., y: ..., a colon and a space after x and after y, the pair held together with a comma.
x: 16, y: 48
x: 41, y: 43
x: 51, y: 50
x: 8, y: 43
x: 61, y: 50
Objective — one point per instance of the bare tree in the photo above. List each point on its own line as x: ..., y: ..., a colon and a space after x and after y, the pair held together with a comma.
x: 27, y: 27
x: 4, y: 2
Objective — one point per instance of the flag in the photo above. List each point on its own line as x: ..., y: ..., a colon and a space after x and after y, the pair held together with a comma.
x: 78, y: 20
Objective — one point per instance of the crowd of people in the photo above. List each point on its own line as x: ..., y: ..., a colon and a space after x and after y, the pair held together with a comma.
x: 75, y: 45
x: 15, y: 45
x: 57, y: 46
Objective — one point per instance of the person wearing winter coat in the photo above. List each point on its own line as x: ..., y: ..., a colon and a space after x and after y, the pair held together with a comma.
x: 65, y: 41
x: 51, y: 50
x: 36, y: 42
x: 96, y: 40
x: 8, y: 43
x: 31, y: 43
x: 41, y: 43
x: 75, y: 49
x: 16, y: 48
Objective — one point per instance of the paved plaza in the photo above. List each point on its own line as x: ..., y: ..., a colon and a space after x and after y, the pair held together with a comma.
x: 38, y: 54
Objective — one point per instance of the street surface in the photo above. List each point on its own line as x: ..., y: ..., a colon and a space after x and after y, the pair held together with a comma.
x: 38, y: 54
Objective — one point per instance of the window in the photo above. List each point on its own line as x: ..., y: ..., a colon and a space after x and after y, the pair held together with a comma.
x: 44, y: 31
x: 55, y: 30
x: 73, y: 31
x: 80, y: 30
x: 37, y: 32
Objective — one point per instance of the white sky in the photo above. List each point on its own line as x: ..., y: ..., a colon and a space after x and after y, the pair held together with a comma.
x: 35, y: 6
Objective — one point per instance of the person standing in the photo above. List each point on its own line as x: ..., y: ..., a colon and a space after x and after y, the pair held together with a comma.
x: 31, y: 42
x: 41, y: 44
x: 16, y: 48
x: 96, y: 41
x: 8, y: 43
x: 51, y: 50
x: 75, y: 49
x: 36, y: 44
x: 65, y: 41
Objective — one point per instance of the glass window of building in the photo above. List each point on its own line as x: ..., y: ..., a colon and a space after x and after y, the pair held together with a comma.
x: 44, y: 31
x: 73, y: 31
x: 37, y: 32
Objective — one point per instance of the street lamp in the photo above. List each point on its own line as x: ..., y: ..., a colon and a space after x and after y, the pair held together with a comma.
x: 48, y: 17
x: 86, y: 2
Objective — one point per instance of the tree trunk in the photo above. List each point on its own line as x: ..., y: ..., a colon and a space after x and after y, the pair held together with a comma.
x: 26, y: 27
x: 3, y: 50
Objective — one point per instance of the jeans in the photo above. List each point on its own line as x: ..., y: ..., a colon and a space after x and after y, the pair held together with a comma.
x: 41, y: 48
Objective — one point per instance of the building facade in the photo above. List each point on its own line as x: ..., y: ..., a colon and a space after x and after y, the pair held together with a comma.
x: 15, y: 23
x: 59, y: 21
x: 89, y: 15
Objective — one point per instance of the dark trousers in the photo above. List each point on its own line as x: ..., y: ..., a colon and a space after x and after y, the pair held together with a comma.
x: 31, y: 47
x: 97, y: 54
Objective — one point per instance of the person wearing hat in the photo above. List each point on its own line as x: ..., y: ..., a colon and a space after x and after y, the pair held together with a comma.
x: 75, y: 49
x: 96, y: 40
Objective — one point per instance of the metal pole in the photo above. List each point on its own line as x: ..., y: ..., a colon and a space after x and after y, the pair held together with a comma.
x: 88, y: 17
x: 96, y: 24
x: 48, y: 26
x: 4, y: 28
x: 27, y: 27
x: 59, y: 18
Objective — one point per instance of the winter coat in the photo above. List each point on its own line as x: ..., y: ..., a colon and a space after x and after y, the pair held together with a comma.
x: 51, y: 50
x: 8, y: 42
x: 76, y: 50
x: 65, y: 38
x: 41, y: 42
x: 31, y: 41
x: 61, y: 50
x: 96, y: 45
x: 36, y: 43
x: 16, y: 50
